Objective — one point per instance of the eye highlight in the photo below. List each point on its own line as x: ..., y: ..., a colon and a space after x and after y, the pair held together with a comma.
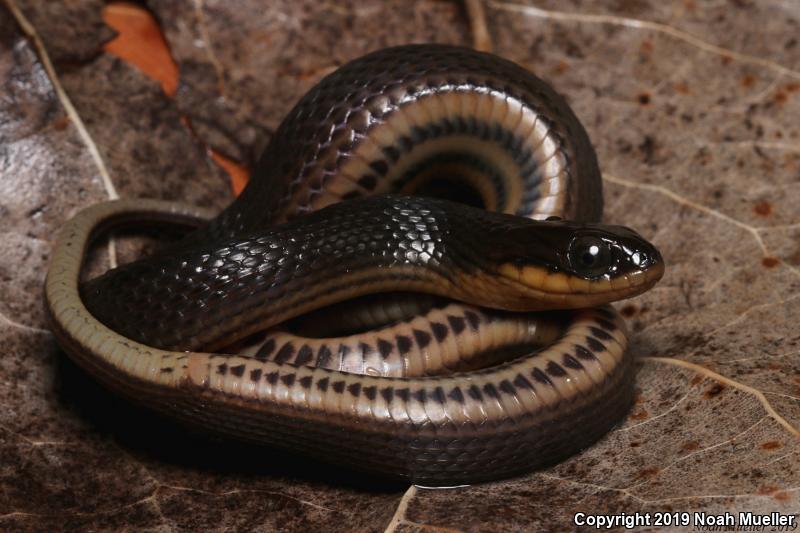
x: 589, y: 256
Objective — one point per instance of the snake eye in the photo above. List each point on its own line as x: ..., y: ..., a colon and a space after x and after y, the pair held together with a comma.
x: 589, y: 256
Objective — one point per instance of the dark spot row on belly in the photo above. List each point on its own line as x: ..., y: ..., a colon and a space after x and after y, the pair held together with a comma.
x: 288, y: 353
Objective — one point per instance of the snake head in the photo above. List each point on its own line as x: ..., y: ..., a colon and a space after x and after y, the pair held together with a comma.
x: 572, y: 264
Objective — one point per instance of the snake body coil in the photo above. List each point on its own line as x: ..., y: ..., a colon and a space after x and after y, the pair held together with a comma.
x: 429, y: 120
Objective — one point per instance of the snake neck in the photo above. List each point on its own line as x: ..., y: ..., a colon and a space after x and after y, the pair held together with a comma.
x: 214, y: 295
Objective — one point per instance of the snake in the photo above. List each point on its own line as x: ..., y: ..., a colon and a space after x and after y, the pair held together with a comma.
x: 413, y: 172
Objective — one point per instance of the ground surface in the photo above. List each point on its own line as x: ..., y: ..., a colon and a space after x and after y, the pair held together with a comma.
x: 693, y: 109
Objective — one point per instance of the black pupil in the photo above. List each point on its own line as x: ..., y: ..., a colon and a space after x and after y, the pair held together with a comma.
x: 590, y: 256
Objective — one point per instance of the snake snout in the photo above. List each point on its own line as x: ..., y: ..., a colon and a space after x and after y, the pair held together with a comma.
x: 639, y: 262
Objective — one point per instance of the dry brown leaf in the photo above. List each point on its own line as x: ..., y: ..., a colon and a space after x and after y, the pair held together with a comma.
x: 694, y: 115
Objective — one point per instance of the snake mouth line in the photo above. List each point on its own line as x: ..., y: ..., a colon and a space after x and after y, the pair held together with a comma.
x: 582, y: 291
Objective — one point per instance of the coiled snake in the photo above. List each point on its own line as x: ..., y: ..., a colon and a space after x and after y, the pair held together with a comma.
x: 341, y: 206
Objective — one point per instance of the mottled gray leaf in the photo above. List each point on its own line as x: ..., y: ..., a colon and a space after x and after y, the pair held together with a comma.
x: 693, y: 109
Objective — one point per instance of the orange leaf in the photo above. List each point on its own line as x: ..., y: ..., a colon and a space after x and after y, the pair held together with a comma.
x: 141, y: 43
x: 238, y: 173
